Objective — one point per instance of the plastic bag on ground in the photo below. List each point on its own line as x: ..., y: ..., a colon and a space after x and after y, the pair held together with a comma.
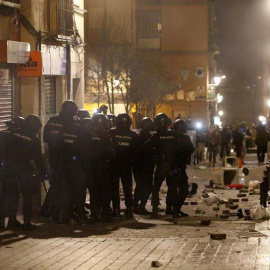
x: 210, y: 198
x: 254, y: 184
x: 258, y: 212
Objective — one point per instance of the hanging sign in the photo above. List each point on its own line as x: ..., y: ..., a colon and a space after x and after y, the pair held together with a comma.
x: 33, y: 67
x: 4, y: 76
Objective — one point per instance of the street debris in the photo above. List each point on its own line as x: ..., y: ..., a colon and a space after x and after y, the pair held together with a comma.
x: 218, y: 236
x: 254, y: 184
x: 258, y: 212
x: 210, y: 198
x: 206, y: 222
x: 155, y: 264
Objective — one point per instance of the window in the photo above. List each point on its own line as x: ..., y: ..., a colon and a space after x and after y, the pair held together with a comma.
x: 149, y: 23
x: 65, y: 17
x: 50, y: 95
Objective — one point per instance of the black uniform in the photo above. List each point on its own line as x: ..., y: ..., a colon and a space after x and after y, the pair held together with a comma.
x: 163, y: 143
x: 143, y: 171
x: 72, y: 184
x: 126, y: 145
x: 23, y: 147
x: 102, y: 154
x: 53, y: 131
x: 184, y: 149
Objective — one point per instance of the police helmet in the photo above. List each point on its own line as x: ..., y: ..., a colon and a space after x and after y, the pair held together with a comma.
x: 147, y: 124
x: 69, y: 107
x: 18, y: 121
x: 33, y: 122
x: 180, y: 125
x: 162, y: 121
x: 123, y: 120
x: 83, y: 114
x: 101, y: 121
x: 88, y: 125
x: 112, y: 120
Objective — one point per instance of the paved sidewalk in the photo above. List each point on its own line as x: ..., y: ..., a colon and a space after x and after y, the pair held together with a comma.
x: 133, y: 244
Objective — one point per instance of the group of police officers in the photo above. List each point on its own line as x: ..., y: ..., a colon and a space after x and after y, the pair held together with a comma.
x: 94, y: 154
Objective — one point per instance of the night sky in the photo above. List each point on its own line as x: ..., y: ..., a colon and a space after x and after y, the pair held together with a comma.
x: 244, y: 28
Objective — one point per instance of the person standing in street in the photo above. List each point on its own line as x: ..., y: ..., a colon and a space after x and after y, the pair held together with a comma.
x: 163, y: 143
x: 126, y: 146
x: 23, y: 152
x: 226, y: 137
x: 143, y: 168
x: 237, y: 142
x: 261, y: 141
x: 213, y: 143
x: 184, y: 149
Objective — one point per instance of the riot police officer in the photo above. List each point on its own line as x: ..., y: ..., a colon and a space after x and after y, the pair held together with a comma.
x: 184, y: 150
x: 112, y: 120
x: 163, y: 143
x: 102, y: 157
x: 88, y: 127
x: 23, y: 148
x: 143, y: 168
x: 72, y: 184
x: 53, y: 131
x: 126, y: 146
x: 15, y: 123
x: 83, y: 114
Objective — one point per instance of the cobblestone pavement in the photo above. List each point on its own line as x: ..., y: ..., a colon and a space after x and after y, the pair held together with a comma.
x: 134, y: 244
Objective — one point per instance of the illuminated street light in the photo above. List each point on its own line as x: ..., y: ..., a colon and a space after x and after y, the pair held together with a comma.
x: 262, y: 118
x: 223, y: 77
x: 219, y: 98
x: 268, y: 103
x: 220, y: 113
x: 217, y: 80
x: 198, y: 125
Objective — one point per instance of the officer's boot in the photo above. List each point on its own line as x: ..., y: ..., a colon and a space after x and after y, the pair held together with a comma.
x: 128, y: 212
x: 136, y: 207
x: 104, y: 215
x: 155, y: 211
x: 2, y: 223
x: 143, y: 211
x: 13, y: 223
x: 27, y: 225
x: 175, y: 212
x: 169, y: 210
x: 116, y: 211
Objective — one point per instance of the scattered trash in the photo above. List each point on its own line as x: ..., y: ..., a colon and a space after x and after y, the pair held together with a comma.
x: 155, y: 264
x: 240, y: 213
x: 224, y: 216
x: 206, y: 222
x: 193, y: 203
x: 215, y: 208
x: 256, y: 192
x: 228, y: 165
x: 247, y: 218
x: 241, y: 195
x: 253, y: 184
x: 244, y: 200
x: 234, y: 206
x: 236, y: 186
x: 198, y: 211
x: 202, y: 167
x: 218, y: 236
x: 221, y: 202
x: 210, y: 198
x: 257, y: 212
x: 243, y: 190
x: 225, y: 212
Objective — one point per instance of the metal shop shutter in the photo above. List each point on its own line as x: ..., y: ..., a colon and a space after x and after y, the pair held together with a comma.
x: 50, y: 95
x: 6, y: 101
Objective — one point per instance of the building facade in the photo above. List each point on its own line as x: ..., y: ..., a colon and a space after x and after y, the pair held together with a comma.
x: 46, y: 40
x: 183, y: 33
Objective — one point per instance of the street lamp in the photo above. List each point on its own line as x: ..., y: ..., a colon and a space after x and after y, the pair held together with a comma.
x: 217, y: 80
x: 219, y: 98
x: 220, y: 113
